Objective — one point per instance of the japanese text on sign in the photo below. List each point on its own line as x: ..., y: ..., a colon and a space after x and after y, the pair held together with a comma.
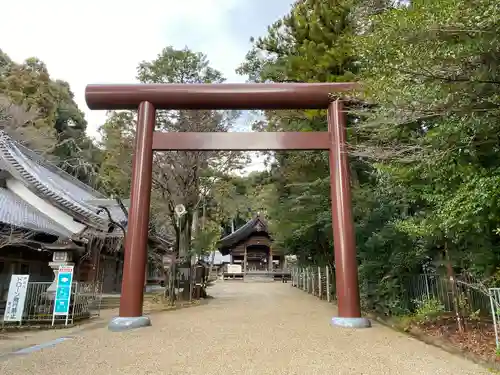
x: 63, y: 290
x: 15, y: 299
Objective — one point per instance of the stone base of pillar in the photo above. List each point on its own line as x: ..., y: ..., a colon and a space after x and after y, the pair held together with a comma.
x: 119, y: 324
x: 338, y: 321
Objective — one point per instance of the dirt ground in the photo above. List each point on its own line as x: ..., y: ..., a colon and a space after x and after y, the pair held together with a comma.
x: 248, y: 328
x: 478, y: 337
x: 14, y: 340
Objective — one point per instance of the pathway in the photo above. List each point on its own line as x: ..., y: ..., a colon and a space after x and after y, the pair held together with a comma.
x: 249, y: 328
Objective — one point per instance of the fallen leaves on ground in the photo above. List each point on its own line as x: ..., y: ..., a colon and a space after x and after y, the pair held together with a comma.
x: 478, y: 338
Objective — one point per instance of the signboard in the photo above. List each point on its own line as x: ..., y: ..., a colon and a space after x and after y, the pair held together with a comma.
x: 15, y: 299
x: 63, y: 292
x: 234, y: 268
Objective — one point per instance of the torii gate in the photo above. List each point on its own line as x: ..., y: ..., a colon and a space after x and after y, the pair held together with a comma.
x: 149, y: 98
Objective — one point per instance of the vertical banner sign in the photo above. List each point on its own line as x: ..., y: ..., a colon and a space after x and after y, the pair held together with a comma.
x: 63, y: 292
x: 16, y: 298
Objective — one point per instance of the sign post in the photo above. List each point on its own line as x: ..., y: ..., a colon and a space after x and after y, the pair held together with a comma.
x: 15, y: 299
x: 63, y: 293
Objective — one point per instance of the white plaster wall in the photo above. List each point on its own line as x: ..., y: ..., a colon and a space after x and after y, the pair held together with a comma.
x: 44, y: 207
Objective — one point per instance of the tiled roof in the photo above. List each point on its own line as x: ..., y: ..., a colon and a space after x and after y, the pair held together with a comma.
x: 55, y: 185
x: 15, y: 211
x: 241, y: 234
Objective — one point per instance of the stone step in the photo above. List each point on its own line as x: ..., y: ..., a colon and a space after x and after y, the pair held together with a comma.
x: 113, y: 301
x: 110, y: 302
x: 258, y: 279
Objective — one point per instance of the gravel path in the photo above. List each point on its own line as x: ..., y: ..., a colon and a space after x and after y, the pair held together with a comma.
x: 250, y: 328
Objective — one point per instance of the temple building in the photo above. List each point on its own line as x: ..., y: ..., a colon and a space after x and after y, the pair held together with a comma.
x: 49, y: 218
x: 251, y: 247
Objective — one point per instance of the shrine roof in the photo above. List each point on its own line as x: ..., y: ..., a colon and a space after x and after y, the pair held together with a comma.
x: 255, y: 225
x: 52, y: 184
x: 16, y: 212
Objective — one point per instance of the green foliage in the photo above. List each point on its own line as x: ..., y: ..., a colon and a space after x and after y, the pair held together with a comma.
x: 431, y: 68
x: 187, y: 178
x: 117, y: 142
x: 206, y: 238
x: 309, y: 44
x: 425, y: 171
x: 428, y: 309
x: 46, y: 118
x: 178, y: 66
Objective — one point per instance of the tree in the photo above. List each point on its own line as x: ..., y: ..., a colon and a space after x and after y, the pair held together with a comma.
x: 12, y: 236
x: 52, y: 123
x: 444, y: 106
x: 117, y: 141
x: 422, y: 138
x: 14, y: 121
x: 310, y: 44
x: 316, y: 41
x: 178, y: 177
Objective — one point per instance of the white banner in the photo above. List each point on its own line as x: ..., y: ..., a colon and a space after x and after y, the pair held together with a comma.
x: 16, y: 298
x: 234, y: 268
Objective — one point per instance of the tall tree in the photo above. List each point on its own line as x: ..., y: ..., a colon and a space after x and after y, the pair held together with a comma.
x: 423, y: 145
x: 55, y: 126
x: 432, y: 69
x: 312, y: 43
x: 179, y: 177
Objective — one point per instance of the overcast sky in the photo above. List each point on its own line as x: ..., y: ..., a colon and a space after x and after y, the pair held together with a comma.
x: 102, y: 41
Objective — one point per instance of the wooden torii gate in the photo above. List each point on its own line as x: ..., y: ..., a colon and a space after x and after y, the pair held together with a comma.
x: 149, y: 98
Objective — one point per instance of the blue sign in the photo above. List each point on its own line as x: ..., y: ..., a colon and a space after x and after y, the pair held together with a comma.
x: 63, y: 291
x: 61, y: 307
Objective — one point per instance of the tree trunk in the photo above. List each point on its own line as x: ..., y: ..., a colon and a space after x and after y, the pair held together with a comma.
x: 185, y: 231
x: 453, y: 286
x: 212, y: 261
x: 171, y: 283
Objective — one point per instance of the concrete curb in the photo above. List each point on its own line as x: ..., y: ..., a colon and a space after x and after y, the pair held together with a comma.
x: 88, y: 323
x: 202, y: 302
x: 40, y: 327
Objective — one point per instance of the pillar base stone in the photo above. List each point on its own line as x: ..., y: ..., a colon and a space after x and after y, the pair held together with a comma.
x: 338, y: 321
x: 119, y: 324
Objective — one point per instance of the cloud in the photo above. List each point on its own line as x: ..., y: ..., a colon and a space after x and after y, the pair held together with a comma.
x: 102, y: 41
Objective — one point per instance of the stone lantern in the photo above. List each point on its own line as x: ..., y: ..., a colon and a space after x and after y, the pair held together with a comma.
x: 62, y: 255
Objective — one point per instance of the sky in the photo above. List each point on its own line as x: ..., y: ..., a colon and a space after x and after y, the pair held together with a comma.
x: 102, y: 41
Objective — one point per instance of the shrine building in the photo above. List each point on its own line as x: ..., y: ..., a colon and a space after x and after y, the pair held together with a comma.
x: 250, y: 246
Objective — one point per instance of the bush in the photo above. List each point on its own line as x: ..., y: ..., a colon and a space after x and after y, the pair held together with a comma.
x: 428, y: 309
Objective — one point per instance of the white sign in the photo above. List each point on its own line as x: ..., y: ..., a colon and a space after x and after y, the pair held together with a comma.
x: 234, y: 268
x: 16, y: 298
x: 180, y: 210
